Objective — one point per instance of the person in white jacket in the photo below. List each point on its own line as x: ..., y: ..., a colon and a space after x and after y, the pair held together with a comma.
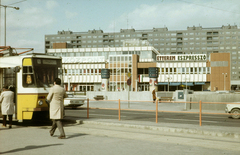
x: 6, y: 99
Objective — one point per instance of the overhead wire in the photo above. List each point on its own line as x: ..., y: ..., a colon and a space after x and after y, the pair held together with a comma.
x: 17, y: 2
x: 209, y: 7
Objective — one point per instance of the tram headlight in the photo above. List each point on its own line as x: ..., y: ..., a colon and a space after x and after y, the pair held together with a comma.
x: 40, y: 102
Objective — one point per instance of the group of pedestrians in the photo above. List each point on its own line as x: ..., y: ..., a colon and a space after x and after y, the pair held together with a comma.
x: 56, y: 107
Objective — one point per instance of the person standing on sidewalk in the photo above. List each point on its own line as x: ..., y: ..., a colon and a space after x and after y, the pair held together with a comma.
x: 154, y: 95
x: 6, y: 98
x: 56, y: 97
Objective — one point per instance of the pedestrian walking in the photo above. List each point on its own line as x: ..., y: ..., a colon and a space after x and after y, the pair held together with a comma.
x: 56, y: 97
x: 6, y: 99
x: 154, y: 95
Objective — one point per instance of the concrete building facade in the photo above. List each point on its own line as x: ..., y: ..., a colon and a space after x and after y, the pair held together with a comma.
x: 193, y: 40
x: 198, y: 72
x: 83, y: 67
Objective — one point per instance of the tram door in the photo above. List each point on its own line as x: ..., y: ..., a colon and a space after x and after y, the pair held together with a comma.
x: 8, y: 78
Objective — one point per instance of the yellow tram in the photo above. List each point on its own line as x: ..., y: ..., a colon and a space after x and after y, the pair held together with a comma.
x: 30, y: 77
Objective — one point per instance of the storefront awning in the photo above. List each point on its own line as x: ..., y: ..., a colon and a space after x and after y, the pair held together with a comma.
x: 162, y: 83
x: 187, y: 83
x: 199, y: 83
x: 174, y: 83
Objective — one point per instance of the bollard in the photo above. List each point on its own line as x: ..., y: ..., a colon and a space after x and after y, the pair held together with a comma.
x: 119, y: 110
x: 200, y: 113
x: 88, y: 108
x: 156, y: 110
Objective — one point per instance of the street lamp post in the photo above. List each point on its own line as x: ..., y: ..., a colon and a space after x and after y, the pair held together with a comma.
x: 224, y: 75
x: 168, y: 78
x: 186, y: 92
x: 5, y: 20
x: 186, y: 82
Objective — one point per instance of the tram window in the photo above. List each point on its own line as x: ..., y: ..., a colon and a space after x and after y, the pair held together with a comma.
x: 27, y: 69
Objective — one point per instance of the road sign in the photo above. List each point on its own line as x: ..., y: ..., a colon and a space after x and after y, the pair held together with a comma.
x: 129, y: 81
x: 129, y: 75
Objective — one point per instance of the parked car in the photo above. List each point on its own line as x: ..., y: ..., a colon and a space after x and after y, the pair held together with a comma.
x: 73, y: 102
x: 234, y: 110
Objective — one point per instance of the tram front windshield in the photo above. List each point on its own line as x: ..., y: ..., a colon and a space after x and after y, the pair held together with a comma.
x: 42, y: 73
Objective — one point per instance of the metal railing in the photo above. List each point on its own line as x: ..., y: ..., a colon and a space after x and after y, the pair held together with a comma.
x: 157, y: 108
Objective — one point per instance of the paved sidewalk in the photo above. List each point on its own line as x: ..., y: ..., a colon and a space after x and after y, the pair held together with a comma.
x: 216, y: 131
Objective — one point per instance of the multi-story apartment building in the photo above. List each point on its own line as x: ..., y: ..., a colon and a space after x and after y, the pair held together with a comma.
x: 193, y: 40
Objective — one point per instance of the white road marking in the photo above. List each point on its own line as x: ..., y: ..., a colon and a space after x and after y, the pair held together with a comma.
x: 187, y: 120
x: 106, y: 115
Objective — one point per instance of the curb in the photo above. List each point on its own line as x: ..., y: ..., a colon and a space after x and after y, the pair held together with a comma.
x: 167, y: 129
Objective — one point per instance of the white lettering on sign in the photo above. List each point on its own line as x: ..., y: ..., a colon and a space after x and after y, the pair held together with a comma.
x: 162, y: 58
x: 83, y: 59
x: 185, y: 57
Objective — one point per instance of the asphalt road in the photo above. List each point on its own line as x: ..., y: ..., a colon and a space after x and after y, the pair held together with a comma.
x: 141, y: 116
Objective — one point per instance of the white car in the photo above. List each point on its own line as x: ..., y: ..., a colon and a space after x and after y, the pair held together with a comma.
x: 234, y: 110
x: 73, y: 102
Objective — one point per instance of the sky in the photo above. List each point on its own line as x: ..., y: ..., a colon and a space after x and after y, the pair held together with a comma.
x: 27, y: 27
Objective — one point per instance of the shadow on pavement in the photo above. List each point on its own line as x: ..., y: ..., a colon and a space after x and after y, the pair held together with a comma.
x: 30, y: 147
x: 39, y: 123
x: 75, y: 135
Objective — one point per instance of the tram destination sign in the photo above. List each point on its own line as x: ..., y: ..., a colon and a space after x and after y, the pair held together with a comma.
x: 185, y: 57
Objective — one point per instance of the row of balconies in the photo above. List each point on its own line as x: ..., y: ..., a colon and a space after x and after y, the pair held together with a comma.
x: 145, y: 78
x: 144, y: 35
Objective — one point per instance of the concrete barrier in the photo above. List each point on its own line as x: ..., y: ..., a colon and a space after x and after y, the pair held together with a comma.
x: 195, y: 97
x: 213, y: 97
x: 122, y: 95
